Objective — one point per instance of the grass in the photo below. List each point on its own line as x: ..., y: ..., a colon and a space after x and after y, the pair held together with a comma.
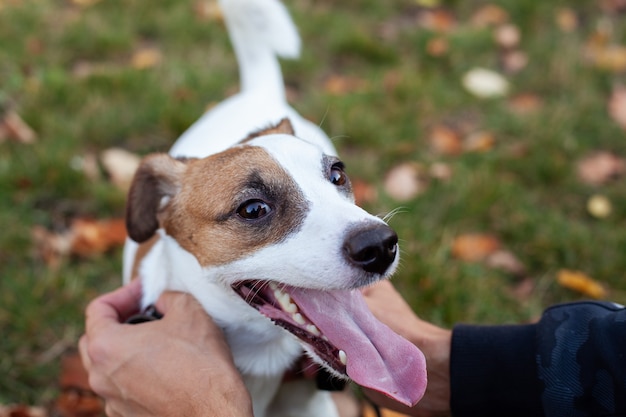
x: 534, y: 203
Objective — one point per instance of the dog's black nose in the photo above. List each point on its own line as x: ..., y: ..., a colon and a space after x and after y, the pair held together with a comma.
x: 373, y: 249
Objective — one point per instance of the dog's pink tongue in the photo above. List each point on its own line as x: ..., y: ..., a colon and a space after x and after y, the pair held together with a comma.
x: 377, y: 357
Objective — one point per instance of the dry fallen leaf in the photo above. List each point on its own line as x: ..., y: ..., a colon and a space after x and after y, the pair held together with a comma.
x: 475, y: 247
x: 85, y: 237
x: 514, y: 61
x: 606, y: 55
x: 507, y: 36
x: 445, y: 140
x: 339, y: 85
x: 120, y: 165
x: 405, y: 181
x: 479, y: 142
x: 91, y: 237
x: 566, y: 20
x: 13, y: 127
x: 600, y: 168
x: 76, y: 398
x: 22, y: 411
x: 484, y: 83
x: 145, y: 58
x: 581, y: 283
x: 506, y: 261
x: 525, y: 103
x: 440, y: 171
x: 208, y: 10
x: 617, y: 106
x: 490, y: 15
x: 437, y: 47
x: 437, y: 20
x: 85, y: 69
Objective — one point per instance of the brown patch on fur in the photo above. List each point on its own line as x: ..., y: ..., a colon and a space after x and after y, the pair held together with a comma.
x: 283, y: 127
x: 141, y: 253
x: 205, y: 195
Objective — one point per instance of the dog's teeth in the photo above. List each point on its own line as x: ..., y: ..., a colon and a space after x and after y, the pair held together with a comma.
x: 343, y: 358
x: 273, y: 286
x: 298, y: 318
x: 285, y: 302
x: 311, y: 328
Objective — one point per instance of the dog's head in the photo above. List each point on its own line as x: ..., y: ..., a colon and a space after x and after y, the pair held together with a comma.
x: 274, y: 219
x: 274, y: 207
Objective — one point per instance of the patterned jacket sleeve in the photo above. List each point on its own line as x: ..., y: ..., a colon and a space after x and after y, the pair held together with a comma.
x: 571, y: 363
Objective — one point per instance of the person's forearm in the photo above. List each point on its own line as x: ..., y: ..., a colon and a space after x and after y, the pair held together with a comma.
x: 493, y: 372
x: 572, y: 362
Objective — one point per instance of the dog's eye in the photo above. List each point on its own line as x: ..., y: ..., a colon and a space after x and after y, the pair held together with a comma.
x: 254, y: 209
x: 337, y: 175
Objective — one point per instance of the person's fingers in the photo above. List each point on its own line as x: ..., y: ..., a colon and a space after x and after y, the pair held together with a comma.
x: 83, y: 350
x: 115, y: 306
x: 378, y: 287
x: 177, y: 303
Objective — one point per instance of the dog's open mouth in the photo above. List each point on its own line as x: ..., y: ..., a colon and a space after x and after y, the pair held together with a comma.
x: 340, y: 329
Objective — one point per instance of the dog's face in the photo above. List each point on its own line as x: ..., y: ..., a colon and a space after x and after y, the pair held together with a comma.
x: 274, y: 208
x: 274, y: 221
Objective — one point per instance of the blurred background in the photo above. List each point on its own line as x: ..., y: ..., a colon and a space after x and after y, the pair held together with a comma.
x: 492, y: 131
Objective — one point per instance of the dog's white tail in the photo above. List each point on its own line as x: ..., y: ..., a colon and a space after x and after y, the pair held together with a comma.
x: 261, y: 30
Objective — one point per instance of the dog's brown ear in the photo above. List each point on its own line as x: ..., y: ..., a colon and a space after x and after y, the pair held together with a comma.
x: 158, y: 176
x: 284, y: 127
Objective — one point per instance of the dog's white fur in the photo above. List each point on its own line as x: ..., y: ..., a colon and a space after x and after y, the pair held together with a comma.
x: 260, y: 30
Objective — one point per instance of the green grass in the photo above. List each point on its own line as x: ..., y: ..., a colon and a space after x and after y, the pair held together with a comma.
x: 534, y: 203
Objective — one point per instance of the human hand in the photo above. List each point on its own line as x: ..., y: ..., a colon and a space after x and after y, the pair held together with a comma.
x: 179, y: 365
x: 390, y: 308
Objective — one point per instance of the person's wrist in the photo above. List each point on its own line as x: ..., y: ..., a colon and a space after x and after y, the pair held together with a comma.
x: 435, y: 343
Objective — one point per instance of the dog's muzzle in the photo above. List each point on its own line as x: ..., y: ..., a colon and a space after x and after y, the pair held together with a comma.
x: 372, y: 249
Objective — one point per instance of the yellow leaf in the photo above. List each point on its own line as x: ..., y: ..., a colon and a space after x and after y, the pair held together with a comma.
x: 599, y: 206
x: 146, y: 58
x: 581, y: 283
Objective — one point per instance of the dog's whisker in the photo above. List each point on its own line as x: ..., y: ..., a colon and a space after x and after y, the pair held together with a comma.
x: 392, y: 213
x: 338, y: 137
x: 255, y: 289
x: 309, y: 365
x: 324, y: 117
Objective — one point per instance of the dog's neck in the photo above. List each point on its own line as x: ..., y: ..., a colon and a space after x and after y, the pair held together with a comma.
x: 258, y: 346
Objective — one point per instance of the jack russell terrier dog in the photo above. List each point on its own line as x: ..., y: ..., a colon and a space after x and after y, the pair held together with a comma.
x: 252, y: 213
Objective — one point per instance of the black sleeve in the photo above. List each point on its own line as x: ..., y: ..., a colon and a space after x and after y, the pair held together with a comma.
x: 571, y: 363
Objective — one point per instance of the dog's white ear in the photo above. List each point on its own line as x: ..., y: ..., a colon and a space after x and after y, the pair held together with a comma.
x: 158, y: 176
